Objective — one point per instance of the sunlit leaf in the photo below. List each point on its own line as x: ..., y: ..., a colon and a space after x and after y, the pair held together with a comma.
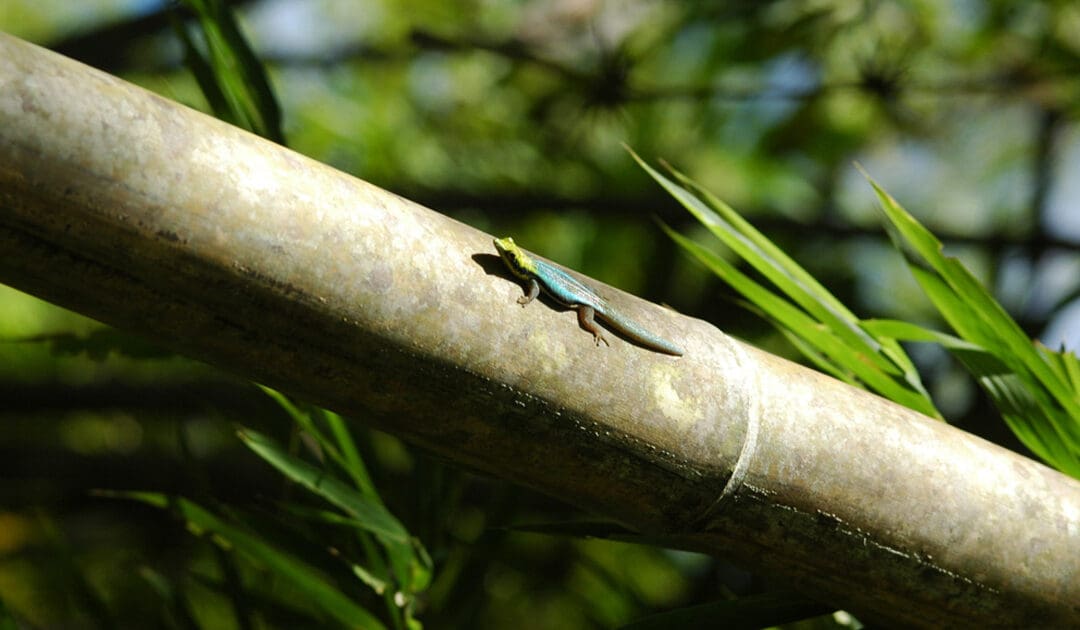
x: 1035, y: 389
x: 817, y: 323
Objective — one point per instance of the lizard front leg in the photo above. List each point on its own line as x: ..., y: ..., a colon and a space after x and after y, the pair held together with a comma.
x: 534, y: 290
x: 585, y: 318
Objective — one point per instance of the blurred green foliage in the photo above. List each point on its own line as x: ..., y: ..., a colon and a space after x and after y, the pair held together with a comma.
x: 1035, y: 389
x: 511, y: 117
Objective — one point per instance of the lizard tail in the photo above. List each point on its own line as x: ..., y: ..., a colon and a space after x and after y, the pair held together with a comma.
x: 639, y: 335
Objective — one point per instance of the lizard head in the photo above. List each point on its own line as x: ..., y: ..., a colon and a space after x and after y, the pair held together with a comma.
x: 520, y: 263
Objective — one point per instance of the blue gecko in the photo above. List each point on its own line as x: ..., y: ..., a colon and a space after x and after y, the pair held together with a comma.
x: 571, y: 293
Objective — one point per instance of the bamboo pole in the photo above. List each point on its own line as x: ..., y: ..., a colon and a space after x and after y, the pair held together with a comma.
x: 157, y: 219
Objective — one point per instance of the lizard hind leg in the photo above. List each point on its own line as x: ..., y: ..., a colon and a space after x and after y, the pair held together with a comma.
x: 586, y: 319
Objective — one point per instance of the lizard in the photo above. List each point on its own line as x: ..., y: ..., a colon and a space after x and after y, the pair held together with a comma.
x: 572, y: 293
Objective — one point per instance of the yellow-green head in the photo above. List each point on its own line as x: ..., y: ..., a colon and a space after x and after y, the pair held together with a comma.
x: 521, y: 264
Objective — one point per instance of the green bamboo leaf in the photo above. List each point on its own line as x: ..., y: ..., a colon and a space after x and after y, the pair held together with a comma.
x: 200, y: 68
x: 1030, y: 413
x: 378, y: 576
x: 769, y: 302
x: 374, y: 581
x: 817, y: 359
x: 341, y: 449
x: 968, y: 306
x: 409, y: 560
x: 1071, y: 367
x: 303, y: 419
x: 761, y: 254
x: 230, y: 73
x: 370, y: 514
x: 878, y: 364
x: 1034, y: 388
x: 306, y: 580
x: 1065, y: 363
x: 908, y: 331
x: 829, y: 351
x: 350, y: 460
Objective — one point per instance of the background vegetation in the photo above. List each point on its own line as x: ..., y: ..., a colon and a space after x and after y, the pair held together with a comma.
x: 511, y: 117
